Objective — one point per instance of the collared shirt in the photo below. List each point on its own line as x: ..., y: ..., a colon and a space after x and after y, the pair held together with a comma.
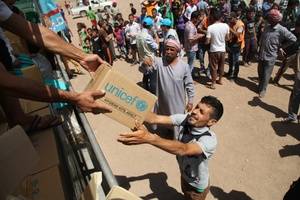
x: 202, y: 5
x: 5, y: 12
x: 145, y: 44
x: 189, y: 10
x: 194, y: 169
x: 171, y: 34
x: 190, y: 32
x: 131, y: 31
x: 271, y: 39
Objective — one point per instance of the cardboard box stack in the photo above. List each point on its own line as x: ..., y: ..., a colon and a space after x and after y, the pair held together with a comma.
x: 30, y: 166
x: 44, y: 181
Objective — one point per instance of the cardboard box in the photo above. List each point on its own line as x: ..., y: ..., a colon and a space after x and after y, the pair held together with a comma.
x: 120, y: 193
x: 129, y: 102
x: 33, y: 73
x: 91, y: 190
x: 17, y: 43
x: 17, y: 158
x: 45, y: 144
x: 45, y: 185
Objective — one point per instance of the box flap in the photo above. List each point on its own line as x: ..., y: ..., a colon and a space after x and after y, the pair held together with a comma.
x: 120, y: 193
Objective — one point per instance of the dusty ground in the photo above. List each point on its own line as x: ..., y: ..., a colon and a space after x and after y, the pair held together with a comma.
x: 257, y: 156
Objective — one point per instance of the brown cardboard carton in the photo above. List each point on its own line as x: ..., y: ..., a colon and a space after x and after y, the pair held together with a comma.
x: 128, y: 101
x: 91, y: 191
x: 45, y: 144
x: 17, y: 159
x: 33, y: 73
x: 120, y: 193
x: 45, y: 185
x: 17, y: 43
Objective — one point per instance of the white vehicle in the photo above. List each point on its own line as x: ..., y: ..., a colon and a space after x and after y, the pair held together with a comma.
x: 82, y: 9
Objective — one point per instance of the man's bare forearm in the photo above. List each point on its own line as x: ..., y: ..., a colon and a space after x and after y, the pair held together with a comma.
x: 42, y: 37
x: 173, y: 146
x: 26, y: 88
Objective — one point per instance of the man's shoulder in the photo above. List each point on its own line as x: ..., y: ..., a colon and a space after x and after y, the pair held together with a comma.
x: 183, y: 63
x: 158, y: 61
x: 208, y: 138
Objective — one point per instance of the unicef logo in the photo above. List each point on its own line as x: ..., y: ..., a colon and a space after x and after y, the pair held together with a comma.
x: 141, y: 105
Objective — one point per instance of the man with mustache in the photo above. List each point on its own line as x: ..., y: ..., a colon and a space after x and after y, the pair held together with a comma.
x: 193, y: 147
x: 173, y: 82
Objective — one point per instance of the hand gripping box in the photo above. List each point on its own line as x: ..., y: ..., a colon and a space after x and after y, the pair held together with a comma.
x: 129, y: 102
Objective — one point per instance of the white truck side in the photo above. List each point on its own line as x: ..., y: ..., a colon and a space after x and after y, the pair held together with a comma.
x: 82, y: 9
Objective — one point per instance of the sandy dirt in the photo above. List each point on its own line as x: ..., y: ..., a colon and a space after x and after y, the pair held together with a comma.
x: 257, y: 156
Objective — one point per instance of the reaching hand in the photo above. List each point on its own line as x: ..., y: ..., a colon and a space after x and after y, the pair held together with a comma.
x: 91, y: 62
x: 140, y: 136
x: 189, y: 107
x: 86, y: 101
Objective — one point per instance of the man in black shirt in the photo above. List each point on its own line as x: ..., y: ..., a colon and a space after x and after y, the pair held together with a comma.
x: 250, y: 37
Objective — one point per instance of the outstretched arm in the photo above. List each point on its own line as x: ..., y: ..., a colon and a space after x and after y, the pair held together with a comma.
x: 28, y: 89
x: 153, y: 118
x: 45, y: 38
x: 142, y: 136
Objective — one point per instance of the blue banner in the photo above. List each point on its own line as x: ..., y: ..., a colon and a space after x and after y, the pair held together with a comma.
x: 49, y: 8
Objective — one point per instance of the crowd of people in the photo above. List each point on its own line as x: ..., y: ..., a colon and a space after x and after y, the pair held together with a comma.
x: 256, y: 32
x: 165, y: 41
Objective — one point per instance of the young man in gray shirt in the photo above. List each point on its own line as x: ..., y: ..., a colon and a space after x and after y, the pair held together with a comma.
x: 194, y: 146
x: 271, y: 40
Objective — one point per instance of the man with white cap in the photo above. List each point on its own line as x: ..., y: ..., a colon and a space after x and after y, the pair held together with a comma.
x: 271, y: 40
x: 173, y: 82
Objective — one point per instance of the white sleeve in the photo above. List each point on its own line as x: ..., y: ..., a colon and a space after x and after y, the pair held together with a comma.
x: 5, y: 12
x: 208, y: 33
x: 178, y: 119
x: 208, y: 145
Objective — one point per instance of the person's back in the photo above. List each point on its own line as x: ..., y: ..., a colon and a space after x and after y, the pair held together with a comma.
x: 144, y: 49
x: 217, y: 33
x: 172, y: 34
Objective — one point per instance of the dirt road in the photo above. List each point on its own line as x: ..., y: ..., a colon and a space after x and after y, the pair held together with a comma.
x: 257, y: 156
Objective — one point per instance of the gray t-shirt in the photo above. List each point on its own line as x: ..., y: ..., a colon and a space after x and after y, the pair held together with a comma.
x: 194, y: 169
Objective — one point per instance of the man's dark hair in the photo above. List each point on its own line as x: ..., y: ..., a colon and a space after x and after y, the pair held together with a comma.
x: 133, y: 11
x: 195, y: 15
x: 216, y: 14
x: 216, y: 105
x: 130, y: 15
